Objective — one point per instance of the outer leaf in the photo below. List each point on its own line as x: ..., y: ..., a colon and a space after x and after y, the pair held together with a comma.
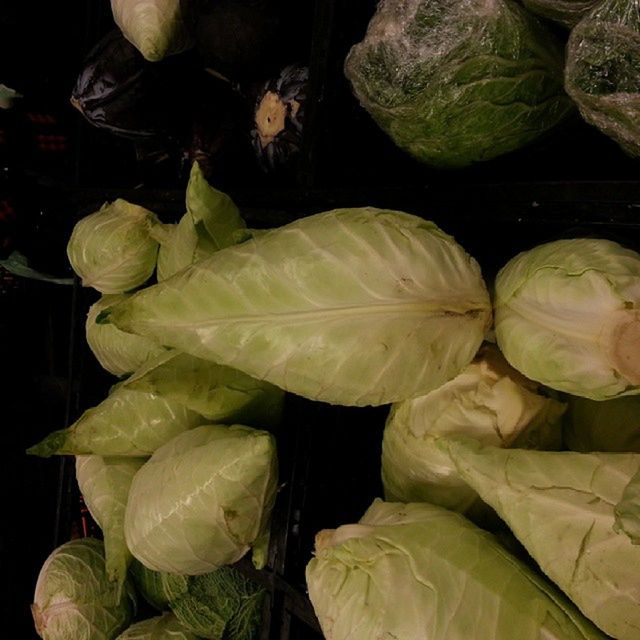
x: 164, y: 627
x: 158, y: 589
x: 202, y: 499
x: 565, y: 12
x: 178, y: 245
x: 104, y: 484
x: 73, y: 597
x: 560, y: 505
x: 411, y: 571
x: 119, y: 352
x: 627, y: 511
x: 490, y: 402
x: 126, y: 423
x: 352, y: 306
x: 458, y: 81
x: 155, y: 27
x: 218, y: 393
x: 566, y: 315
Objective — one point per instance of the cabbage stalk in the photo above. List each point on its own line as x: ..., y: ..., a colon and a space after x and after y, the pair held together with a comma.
x: 488, y: 401
x: 74, y: 597
x: 202, y: 500
x: 112, y: 249
x: 566, y: 315
x: 409, y: 571
x: 562, y: 507
x: 351, y: 306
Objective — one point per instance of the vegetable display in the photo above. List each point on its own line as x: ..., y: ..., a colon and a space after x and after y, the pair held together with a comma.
x: 603, y: 70
x: 351, y: 306
x: 454, y: 82
x: 420, y: 571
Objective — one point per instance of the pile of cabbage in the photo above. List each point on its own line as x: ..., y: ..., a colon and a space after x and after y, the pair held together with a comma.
x: 454, y: 82
x: 510, y: 455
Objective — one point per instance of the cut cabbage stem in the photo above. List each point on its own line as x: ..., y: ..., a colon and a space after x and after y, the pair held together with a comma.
x: 625, y: 347
x: 270, y: 117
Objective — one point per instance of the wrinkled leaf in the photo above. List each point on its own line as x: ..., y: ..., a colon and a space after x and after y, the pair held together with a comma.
x: 164, y: 627
x: 627, y: 511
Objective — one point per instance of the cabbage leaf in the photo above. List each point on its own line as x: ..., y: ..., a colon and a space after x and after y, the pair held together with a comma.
x: 164, y: 627
x: 627, y: 511
x: 351, y: 306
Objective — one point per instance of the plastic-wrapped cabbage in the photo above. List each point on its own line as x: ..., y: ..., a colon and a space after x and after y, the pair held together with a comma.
x: 567, y: 315
x: 609, y: 425
x: 74, y: 598
x: 104, y: 484
x: 212, y: 222
x: 602, y: 72
x: 218, y: 393
x: 566, y: 12
x: 409, y: 571
x: 118, y: 352
x: 164, y: 627
x: 203, y: 500
x: 155, y: 27
x: 488, y: 401
x: 112, y: 250
x: 125, y: 423
x: 561, y: 505
x: 352, y: 306
x: 453, y: 82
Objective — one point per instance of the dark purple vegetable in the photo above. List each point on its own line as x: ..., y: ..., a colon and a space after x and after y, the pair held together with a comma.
x: 279, y: 118
x: 118, y: 90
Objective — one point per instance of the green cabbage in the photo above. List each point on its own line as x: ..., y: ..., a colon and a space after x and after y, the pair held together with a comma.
x: 488, y: 401
x: 565, y: 12
x: 202, y: 500
x: 155, y: 27
x: 351, y: 306
x: 158, y: 588
x: 125, y: 423
x: 410, y: 571
x: 602, y: 72
x: 112, y: 250
x: 561, y: 506
x: 453, y: 82
x: 164, y: 627
x: 212, y: 222
x: 75, y: 600
x: 118, y: 352
x: 609, y: 425
x: 104, y: 484
x: 566, y: 315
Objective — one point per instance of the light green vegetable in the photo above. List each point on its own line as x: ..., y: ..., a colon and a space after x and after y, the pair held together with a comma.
x: 126, y: 423
x: 454, y: 82
x: 409, y: 571
x: 74, y: 598
x: 155, y: 27
x: 560, y: 505
x: 488, y: 401
x: 220, y: 605
x: 104, y: 484
x: 565, y: 12
x: 164, y: 627
x: 609, y: 425
x: 211, y: 223
x: 202, y: 500
x: 566, y: 315
x: 351, y: 306
x: 602, y: 72
x: 118, y: 352
x: 627, y: 511
x: 158, y: 588
x: 112, y: 249
x: 218, y: 393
